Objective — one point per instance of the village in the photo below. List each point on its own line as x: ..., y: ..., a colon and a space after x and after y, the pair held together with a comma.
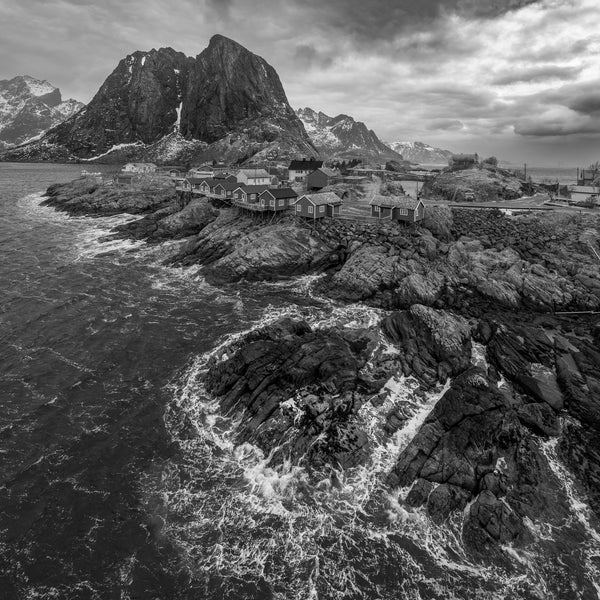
x: 309, y: 190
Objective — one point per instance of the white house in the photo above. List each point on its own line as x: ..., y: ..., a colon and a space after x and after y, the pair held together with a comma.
x: 585, y: 193
x: 139, y: 168
x: 253, y: 177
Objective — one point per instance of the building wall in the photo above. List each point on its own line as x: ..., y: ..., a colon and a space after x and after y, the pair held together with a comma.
x: 305, y: 209
x: 317, y: 180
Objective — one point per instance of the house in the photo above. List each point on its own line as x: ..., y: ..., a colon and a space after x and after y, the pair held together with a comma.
x: 321, y: 177
x: 226, y: 177
x: 299, y: 169
x: 317, y: 206
x: 194, y: 184
x: 277, y: 199
x: 253, y: 177
x: 182, y: 184
x: 207, y: 186
x: 139, y: 168
x: 586, y: 177
x: 460, y: 162
x: 585, y: 193
x: 247, y: 194
x: 124, y: 178
x: 224, y: 189
x: 176, y: 173
x: 398, y: 208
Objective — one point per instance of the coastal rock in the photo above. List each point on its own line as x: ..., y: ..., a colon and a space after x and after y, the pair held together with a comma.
x: 433, y: 345
x: 194, y: 216
x: 297, y: 385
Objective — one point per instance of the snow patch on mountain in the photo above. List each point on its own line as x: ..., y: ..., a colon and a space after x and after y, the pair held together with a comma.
x: 421, y: 153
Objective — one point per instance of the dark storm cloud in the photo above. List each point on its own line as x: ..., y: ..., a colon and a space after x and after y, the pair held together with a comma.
x: 307, y: 56
x: 557, y: 128
x: 445, y: 125
x: 588, y: 104
x: 536, y: 74
x: 382, y: 20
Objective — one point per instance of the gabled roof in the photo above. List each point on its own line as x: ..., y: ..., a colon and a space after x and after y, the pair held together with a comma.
x: 327, y: 171
x: 396, y: 201
x: 254, y: 173
x: 305, y: 165
x: 229, y: 186
x: 323, y: 198
x: 252, y: 189
x: 278, y: 193
x: 196, y: 180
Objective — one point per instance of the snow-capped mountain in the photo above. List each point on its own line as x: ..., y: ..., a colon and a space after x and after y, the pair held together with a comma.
x: 343, y: 137
x: 29, y: 107
x: 419, y: 152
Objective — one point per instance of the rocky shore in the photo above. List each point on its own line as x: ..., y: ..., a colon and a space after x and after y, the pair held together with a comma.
x: 477, y: 300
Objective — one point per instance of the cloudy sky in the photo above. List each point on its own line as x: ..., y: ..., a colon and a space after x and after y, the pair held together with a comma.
x: 519, y: 79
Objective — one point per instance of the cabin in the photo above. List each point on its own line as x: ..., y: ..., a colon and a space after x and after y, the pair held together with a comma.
x: 588, y: 194
x: 195, y: 184
x: 460, y: 162
x: 176, y: 173
x: 398, y: 208
x: 277, y: 199
x: 224, y: 189
x: 247, y: 194
x: 226, y: 177
x: 182, y: 184
x: 321, y: 178
x: 253, y: 177
x: 124, y: 178
x: 317, y: 206
x: 207, y: 186
x: 139, y: 168
x: 299, y: 169
x: 587, y: 177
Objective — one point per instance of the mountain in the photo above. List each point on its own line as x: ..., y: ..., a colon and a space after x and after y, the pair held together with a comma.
x: 419, y: 152
x: 343, y: 137
x: 28, y: 107
x: 226, y: 103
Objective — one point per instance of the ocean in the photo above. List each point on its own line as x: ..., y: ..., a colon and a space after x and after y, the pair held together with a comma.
x: 104, y: 493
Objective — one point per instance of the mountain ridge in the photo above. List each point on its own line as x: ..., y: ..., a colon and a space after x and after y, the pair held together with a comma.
x: 420, y: 152
x: 29, y: 107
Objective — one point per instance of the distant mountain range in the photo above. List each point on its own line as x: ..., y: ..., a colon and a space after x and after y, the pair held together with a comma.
x: 29, y: 107
x: 419, y: 152
x: 343, y: 137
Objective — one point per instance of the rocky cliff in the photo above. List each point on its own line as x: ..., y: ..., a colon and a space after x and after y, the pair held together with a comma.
x: 161, y: 105
x: 343, y: 137
x: 29, y: 107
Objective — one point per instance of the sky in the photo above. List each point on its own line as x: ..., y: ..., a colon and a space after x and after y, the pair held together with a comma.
x: 517, y: 79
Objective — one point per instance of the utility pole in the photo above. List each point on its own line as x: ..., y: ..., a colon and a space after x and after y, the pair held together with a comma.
x: 525, y: 172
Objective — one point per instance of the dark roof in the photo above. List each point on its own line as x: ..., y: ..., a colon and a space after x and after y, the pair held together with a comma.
x: 396, y: 201
x: 278, y: 193
x: 326, y: 171
x: 323, y: 198
x: 305, y: 165
x: 253, y: 189
x: 229, y: 185
x: 194, y: 180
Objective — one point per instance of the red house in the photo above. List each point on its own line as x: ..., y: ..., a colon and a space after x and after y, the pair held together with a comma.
x: 224, y: 189
x: 317, y: 206
x: 398, y: 208
x: 247, y: 194
x: 277, y: 199
x: 321, y: 178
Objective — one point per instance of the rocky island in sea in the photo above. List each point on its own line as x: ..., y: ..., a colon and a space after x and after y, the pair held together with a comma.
x: 435, y: 429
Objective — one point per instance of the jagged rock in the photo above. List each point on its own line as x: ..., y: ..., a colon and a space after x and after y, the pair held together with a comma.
x: 196, y: 215
x: 263, y: 376
x: 433, y: 344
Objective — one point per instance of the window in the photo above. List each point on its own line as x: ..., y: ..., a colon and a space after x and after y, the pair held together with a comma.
x: 298, y: 208
x: 311, y: 210
x: 403, y: 211
x: 272, y: 203
x: 321, y: 209
x: 377, y: 209
x: 252, y: 196
x: 281, y: 202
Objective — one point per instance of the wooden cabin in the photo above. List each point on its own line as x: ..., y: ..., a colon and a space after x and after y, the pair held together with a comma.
x: 207, y: 186
x: 460, y: 162
x: 317, y: 206
x: 321, y: 178
x: 195, y: 184
x: 277, y: 199
x: 247, y: 194
x: 299, y: 169
x: 397, y: 208
x: 224, y: 189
